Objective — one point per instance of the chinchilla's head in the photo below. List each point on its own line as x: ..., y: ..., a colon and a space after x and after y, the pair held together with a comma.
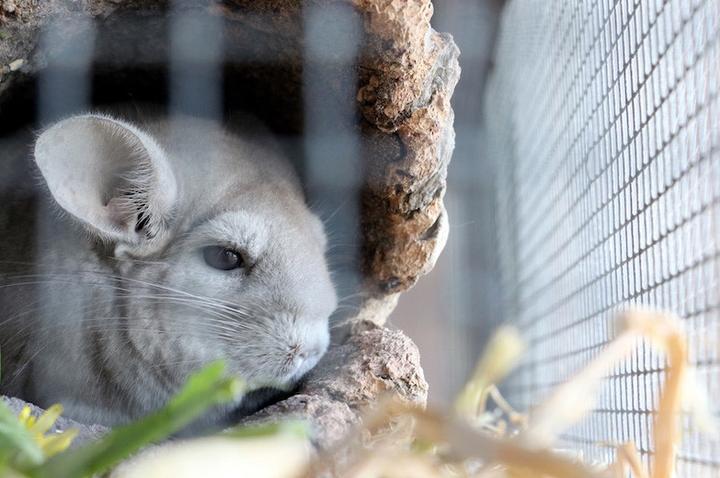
x: 212, y: 251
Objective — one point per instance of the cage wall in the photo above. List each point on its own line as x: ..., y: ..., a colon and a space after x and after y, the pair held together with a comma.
x: 604, y: 125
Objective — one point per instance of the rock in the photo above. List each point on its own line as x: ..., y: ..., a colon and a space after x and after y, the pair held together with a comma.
x: 372, y: 362
x: 9, y: 6
x: 329, y: 419
x: 16, y: 65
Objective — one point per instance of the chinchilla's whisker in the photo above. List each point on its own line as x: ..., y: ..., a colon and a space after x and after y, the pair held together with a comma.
x: 137, y: 261
x: 67, y: 278
x: 225, y: 319
x: 340, y: 324
x: 348, y: 307
x: 327, y: 219
x: 87, y: 308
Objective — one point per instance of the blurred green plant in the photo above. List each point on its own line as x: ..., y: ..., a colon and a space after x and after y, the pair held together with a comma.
x: 25, y: 450
x: 17, y: 447
x: 295, y: 428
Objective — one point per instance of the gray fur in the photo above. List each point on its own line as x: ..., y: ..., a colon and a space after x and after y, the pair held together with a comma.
x: 109, y: 320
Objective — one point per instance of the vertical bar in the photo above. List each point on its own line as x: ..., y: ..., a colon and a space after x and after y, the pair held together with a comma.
x: 64, y: 88
x: 64, y: 85
x: 196, y: 53
x: 331, y: 143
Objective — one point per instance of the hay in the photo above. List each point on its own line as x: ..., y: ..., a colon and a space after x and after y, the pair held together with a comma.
x: 399, y: 440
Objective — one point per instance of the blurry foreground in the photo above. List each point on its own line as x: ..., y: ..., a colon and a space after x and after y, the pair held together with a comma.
x: 395, y: 439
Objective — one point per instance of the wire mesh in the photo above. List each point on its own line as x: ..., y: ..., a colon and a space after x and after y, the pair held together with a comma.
x: 604, y: 123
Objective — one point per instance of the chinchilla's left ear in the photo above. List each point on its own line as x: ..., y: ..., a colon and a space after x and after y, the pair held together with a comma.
x: 112, y: 177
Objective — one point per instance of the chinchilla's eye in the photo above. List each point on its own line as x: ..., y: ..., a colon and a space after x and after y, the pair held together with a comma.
x: 223, y: 258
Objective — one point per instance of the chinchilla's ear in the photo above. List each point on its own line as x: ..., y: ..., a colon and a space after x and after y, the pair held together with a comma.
x: 111, y: 176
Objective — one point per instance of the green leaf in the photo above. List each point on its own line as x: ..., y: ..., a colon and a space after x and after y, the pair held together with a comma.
x: 204, y: 389
x: 297, y: 428
x: 17, y: 447
x: 16, y: 442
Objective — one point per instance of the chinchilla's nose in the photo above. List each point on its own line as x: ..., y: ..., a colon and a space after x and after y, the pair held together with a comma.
x: 311, y: 353
x: 301, y: 352
x: 306, y: 353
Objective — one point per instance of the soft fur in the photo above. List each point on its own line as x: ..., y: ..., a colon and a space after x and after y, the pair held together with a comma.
x: 112, y: 305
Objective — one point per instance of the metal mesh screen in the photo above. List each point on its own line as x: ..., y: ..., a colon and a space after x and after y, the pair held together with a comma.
x: 604, y: 123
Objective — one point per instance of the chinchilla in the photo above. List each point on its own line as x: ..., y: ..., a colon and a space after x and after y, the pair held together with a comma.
x: 153, y: 247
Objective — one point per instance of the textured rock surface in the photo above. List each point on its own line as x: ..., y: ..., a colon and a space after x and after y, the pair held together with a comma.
x: 372, y: 362
x: 406, y: 75
x: 410, y: 73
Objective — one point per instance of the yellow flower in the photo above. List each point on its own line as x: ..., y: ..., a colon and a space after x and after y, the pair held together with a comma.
x: 50, y: 444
